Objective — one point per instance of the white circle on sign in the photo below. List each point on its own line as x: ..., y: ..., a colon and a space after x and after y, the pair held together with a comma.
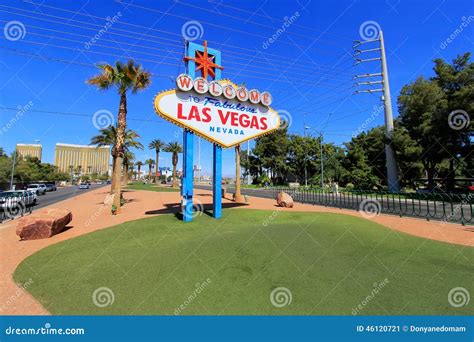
x: 228, y: 91
x: 200, y: 85
x: 254, y: 96
x: 266, y: 98
x: 242, y: 94
x: 184, y: 82
x: 215, y: 88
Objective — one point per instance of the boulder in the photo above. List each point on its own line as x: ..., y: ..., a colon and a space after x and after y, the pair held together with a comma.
x: 43, y: 224
x: 284, y: 200
x: 109, y: 199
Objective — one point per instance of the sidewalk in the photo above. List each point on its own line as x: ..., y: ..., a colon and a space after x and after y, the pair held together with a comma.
x: 89, y: 215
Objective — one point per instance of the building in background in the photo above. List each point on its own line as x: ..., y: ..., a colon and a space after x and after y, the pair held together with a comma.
x: 29, y: 150
x: 82, y: 159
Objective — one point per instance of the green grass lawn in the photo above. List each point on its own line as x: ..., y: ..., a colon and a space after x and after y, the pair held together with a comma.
x: 151, y: 187
x: 330, y: 263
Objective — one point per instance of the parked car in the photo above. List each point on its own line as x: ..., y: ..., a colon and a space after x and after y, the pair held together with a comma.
x: 84, y: 186
x: 50, y: 186
x: 39, y: 189
x: 12, y: 198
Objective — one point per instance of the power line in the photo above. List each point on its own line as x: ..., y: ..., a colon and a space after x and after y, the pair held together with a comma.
x: 134, y: 25
x: 148, y: 9
x: 76, y: 114
x: 145, y: 53
x: 221, y: 4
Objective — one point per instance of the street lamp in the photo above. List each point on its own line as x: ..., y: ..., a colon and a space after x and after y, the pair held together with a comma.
x: 321, y: 156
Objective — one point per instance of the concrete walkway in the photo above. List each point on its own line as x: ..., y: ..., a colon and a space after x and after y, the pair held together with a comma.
x: 89, y: 214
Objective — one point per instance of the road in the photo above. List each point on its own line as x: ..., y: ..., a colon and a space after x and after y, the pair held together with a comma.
x: 442, y: 211
x: 62, y: 194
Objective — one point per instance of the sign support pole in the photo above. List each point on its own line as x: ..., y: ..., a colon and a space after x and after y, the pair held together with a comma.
x: 217, y: 182
x: 187, y: 184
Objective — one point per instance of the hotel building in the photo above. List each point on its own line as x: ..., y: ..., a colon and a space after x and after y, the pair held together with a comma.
x: 90, y: 159
x: 29, y: 150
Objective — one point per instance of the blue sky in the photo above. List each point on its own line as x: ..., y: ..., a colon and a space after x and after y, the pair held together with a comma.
x: 308, y: 68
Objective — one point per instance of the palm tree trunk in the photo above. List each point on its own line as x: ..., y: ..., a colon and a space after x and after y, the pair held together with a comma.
x: 119, y: 150
x: 113, y: 169
x: 125, y: 175
x: 156, y: 166
x: 174, y: 176
x: 138, y: 176
x: 238, y: 196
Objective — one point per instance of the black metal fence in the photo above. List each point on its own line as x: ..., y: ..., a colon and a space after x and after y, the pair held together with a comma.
x: 443, y: 207
x: 439, y: 206
x: 11, y: 208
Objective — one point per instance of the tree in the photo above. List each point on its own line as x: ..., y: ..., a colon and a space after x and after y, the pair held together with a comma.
x: 139, y: 166
x: 150, y: 162
x: 127, y: 162
x: 271, y: 152
x: 124, y: 77
x: 174, y: 148
x: 457, y: 82
x: 156, y: 145
x: 422, y: 106
x: 237, y: 196
x: 108, y: 137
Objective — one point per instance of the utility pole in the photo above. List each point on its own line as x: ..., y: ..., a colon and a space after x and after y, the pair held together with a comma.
x: 13, y: 169
x: 248, y: 162
x: 392, y: 171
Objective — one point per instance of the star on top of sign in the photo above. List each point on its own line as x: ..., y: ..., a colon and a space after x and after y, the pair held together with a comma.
x: 204, y: 62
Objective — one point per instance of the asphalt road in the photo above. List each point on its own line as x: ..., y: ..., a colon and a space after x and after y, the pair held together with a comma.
x: 62, y: 194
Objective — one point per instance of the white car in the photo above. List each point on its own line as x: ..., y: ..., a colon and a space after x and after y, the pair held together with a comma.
x: 10, y: 199
x: 39, y: 189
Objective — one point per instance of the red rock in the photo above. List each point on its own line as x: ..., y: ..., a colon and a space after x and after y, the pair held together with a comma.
x: 284, y: 200
x: 43, y: 224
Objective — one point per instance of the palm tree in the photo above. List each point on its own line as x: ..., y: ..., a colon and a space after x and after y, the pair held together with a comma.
x: 139, y: 166
x: 150, y: 162
x: 174, y: 148
x: 156, y: 145
x: 238, y: 195
x: 108, y: 137
x: 127, y: 160
x: 124, y: 77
